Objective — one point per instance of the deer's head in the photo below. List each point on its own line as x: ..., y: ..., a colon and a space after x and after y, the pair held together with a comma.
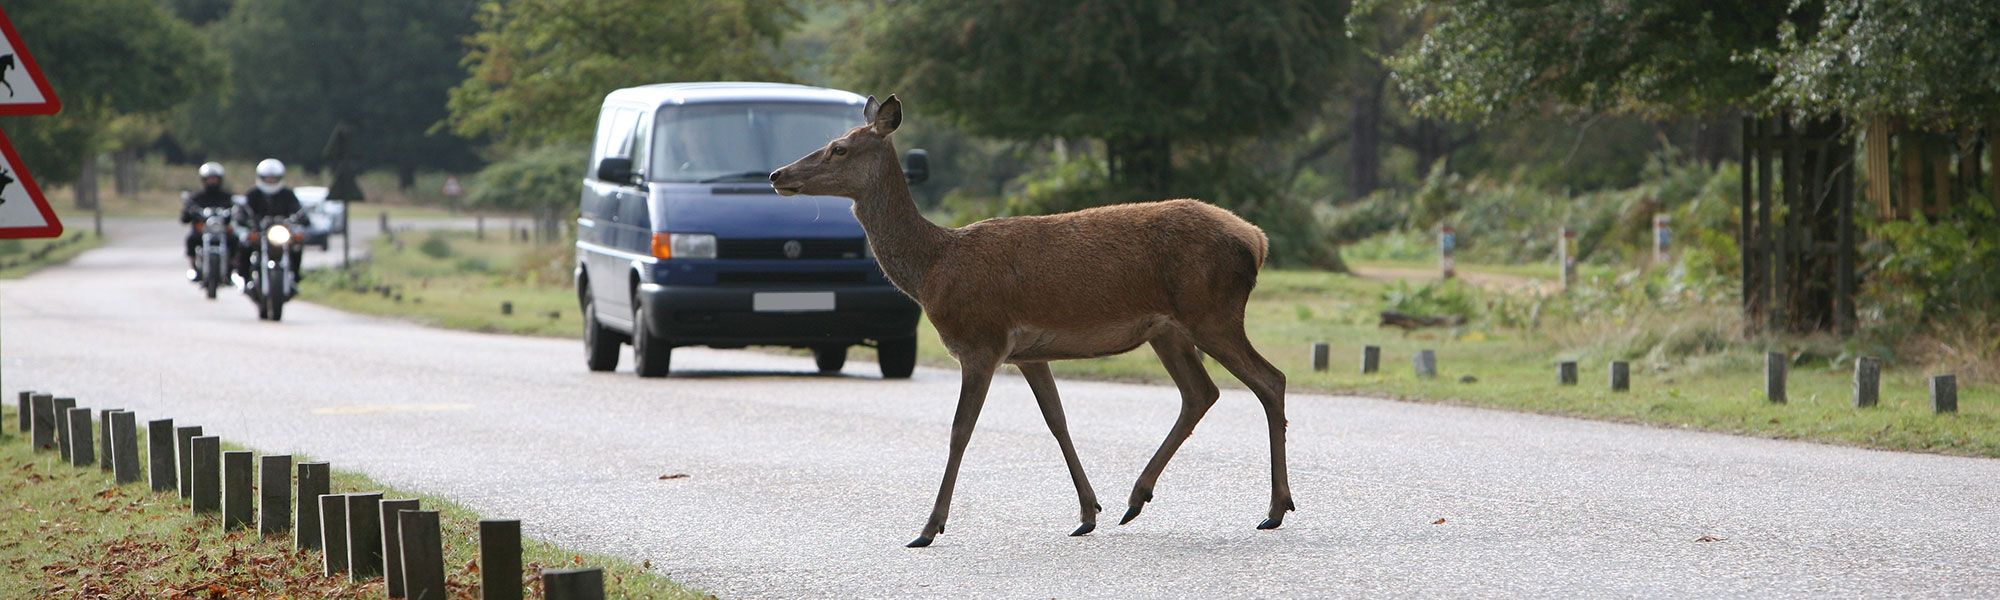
x: 852, y: 164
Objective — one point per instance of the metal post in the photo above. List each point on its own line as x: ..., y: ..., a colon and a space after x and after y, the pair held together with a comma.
x: 160, y: 455
x: 500, y: 559
x: 1371, y: 359
x: 333, y: 532
x: 62, y: 406
x: 1319, y: 357
x: 104, y: 438
x: 573, y: 584
x: 43, y: 425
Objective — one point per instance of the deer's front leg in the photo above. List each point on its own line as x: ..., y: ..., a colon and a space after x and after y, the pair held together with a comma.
x: 971, y: 397
x: 1043, y: 382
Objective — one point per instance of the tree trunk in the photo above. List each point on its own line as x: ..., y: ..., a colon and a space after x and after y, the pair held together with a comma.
x: 86, y: 184
x: 406, y: 177
x: 1141, y: 166
x: 125, y: 171
x: 1364, y: 151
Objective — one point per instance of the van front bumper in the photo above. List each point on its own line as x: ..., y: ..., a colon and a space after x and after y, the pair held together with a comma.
x: 723, y: 316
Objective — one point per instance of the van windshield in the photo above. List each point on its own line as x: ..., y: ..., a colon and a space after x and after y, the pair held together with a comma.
x: 742, y: 141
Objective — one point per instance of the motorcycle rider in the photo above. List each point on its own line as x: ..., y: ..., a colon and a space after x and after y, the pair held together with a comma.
x: 212, y: 195
x: 272, y: 198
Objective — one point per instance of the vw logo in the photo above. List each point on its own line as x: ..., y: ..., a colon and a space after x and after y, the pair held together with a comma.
x: 793, y: 249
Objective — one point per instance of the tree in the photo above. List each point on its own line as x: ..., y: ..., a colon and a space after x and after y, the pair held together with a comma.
x: 539, y: 68
x: 104, y: 58
x: 1143, y: 76
x: 1932, y: 63
x: 301, y: 67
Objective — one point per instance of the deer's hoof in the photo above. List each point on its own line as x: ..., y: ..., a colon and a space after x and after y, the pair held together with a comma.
x: 1271, y: 523
x: 1084, y: 529
x: 1131, y: 513
x: 920, y: 542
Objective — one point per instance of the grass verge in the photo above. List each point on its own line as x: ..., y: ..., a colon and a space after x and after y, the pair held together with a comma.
x: 1706, y: 381
x: 453, y: 280
x: 70, y: 532
x: 19, y: 258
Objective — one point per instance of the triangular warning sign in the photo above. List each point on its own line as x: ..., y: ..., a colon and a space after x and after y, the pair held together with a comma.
x: 24, y: 213
x: 23, y: 90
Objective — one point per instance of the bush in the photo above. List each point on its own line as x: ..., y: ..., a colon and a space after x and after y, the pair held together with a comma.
x: 435, y: 246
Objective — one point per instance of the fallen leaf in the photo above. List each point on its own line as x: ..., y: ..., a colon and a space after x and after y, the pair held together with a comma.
x: 1709, y: 538
x: 1440, y: 521
x: 673, y: 476
x: 647, y: 564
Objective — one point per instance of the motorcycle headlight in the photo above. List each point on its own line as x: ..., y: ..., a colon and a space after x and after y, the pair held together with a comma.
x: 279, y: 234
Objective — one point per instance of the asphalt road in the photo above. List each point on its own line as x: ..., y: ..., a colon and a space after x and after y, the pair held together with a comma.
x: 808, y: 486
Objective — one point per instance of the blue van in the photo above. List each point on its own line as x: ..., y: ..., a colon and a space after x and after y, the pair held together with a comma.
x: 680, y: 240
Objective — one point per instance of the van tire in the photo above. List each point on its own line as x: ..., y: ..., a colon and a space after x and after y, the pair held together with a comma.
x: 830, y: 358
x: 600, y: 345
x: 649, y: 357
x: 898, y: 357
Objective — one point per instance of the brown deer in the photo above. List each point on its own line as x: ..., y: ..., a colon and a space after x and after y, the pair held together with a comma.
x: 1091, y: 283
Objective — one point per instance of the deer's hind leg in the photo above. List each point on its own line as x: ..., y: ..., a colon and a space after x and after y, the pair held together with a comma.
x: 1183, y: 361
x: 1222, y: 337
x: 1043, y: 383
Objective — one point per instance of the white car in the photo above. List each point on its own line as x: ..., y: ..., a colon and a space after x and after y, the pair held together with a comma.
x: 322, y: 217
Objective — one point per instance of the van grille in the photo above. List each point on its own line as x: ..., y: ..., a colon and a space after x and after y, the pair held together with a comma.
x: 785, y: 277
x: 774, y: 249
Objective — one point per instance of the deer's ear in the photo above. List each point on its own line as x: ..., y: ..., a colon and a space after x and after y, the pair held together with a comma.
x: 868, y: 112
x: 887, y: 116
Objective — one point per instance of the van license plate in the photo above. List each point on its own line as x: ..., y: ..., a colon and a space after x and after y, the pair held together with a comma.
x: 791, y: 301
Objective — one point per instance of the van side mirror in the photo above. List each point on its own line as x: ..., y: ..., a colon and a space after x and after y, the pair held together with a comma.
x: 615, y: 169
x: 917, y: 166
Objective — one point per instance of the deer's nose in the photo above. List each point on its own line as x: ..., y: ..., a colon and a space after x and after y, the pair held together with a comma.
x: 775, y: 174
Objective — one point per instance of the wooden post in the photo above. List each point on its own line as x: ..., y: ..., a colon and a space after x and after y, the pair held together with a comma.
x: 423, y: 554
x: 1371, y: 359
x: 478, y: 233
x: 1566, y: 373
x: 81, y: 447
x: 506, y: 308
x: 183, y: 457
x: 1566, y: 256
x: 1775, y: 364
x: 125, y: 448
x: 205, y: 473
x: 313, y: 483
x: 1843, y: 289
x: 500, y: 559
x: 25, y: 411
x: 392, y: 545
x: 573, y: 584
x: 1760, y: 294
x: 1867, y: 381
x: 160, y: 455
x: 238, y: 508
x: 1426, y: 363
x: 364, y: 536
x: 1944, y: 393
x: 1447, y: 243
x: 1621, y: 376
x: 104, y: 438
x: 333, y: 533
x: 1783, y: 293
x: 63, y: 434
x: 1319, y: 357
x: 1662, y: 240
x: 43, y: 425
x: 274, y: 502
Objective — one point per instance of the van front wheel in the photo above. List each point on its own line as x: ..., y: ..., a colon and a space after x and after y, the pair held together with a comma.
x: 600, y: 345
x: 898, y: 357
x: 649, y: 357
x: 830, y: 358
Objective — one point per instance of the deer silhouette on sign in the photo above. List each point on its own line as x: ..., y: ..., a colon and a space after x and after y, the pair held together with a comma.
x: 6, y: 64
x: 6, y: 179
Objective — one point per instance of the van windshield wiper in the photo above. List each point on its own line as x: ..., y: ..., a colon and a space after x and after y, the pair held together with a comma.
x: 752, y: 175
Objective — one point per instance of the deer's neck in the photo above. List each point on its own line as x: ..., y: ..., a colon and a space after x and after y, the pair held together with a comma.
x: 906, y: 244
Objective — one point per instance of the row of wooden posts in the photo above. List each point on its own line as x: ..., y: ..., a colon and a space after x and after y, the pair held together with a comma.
x: 1777, y: 366
x: 360, y: 534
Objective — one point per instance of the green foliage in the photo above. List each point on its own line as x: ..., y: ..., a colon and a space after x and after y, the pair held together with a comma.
x: 539, y: 68
x: 435, y: 246
x: 1929, y: 62
x: 1924, y: 269
x: 104, y: 58
x: 1449, y: 298
x: 542, y: 181
x: 1490, y: 58
x: 300, y: 67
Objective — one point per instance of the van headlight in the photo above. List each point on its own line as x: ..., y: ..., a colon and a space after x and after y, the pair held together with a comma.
x: 684, y: 245
x: 279, y: 234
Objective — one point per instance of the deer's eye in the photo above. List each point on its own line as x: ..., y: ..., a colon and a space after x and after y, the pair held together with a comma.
x: 840, y: 151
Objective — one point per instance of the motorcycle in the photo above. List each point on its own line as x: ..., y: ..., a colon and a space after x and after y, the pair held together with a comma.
x: 211, y: 265
x: 274, y: 278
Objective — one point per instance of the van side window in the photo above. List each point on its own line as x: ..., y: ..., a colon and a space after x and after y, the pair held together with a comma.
x: 637, y: 142
x: 597, y: 150
x: 616, y: 140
